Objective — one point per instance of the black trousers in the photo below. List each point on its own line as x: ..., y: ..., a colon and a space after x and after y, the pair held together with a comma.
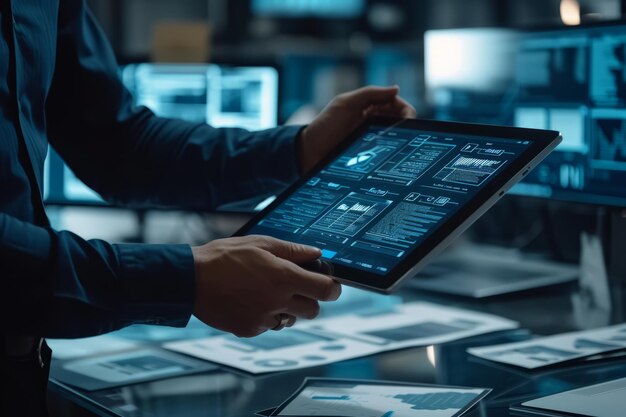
x: 24, y: 383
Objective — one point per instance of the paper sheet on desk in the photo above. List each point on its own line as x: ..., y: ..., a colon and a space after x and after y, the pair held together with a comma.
x: 118, y: 369
x: 361, y: 398
x: 551, y: 350
x: 345, y: 337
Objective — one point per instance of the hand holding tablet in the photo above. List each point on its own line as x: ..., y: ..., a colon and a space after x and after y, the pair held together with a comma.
x: 397, y: 191
x: 247, y: 285
x: 344, y: 114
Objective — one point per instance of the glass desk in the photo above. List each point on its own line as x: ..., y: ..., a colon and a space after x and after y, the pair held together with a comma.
x: 225, y: 392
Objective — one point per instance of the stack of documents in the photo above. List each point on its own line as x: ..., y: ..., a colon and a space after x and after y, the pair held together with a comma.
x: 345, y: 337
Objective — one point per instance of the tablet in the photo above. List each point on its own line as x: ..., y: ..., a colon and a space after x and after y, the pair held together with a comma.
x: 397, y: 191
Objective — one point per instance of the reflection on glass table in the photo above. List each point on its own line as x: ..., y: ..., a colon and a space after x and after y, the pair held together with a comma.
x: 225, y: 392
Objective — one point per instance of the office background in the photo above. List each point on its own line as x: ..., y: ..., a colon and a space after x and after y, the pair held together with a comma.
x: 555, y: 64
x: 260, y: 63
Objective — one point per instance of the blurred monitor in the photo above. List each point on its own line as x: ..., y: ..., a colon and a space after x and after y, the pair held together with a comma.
x: 176, y: 91
x: 569, y: 79
x: 343, y: 9
x: 469, y: 73
x: 313, y: 18
x: 574, y: 81
x: 221, y: 96
x: 244, y: 97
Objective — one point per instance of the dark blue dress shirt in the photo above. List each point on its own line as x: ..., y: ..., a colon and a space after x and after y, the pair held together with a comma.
x: 59, y: 85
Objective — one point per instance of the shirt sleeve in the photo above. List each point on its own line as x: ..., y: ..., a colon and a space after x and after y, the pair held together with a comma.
x: 63, y: 286
x: 132, y: 157
x: 59, y: 285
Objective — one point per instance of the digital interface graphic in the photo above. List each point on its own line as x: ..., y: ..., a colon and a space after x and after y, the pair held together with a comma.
x: 386, y: 193
x: 571, y: 80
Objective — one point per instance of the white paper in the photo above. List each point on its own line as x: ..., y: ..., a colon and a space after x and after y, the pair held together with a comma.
x: 412, y: 324
x: 118, y: 369
x: 128, y: 367
x: 327, y: 397
x: 551, y: 350
x: 274, y: 351
x: 345, y: 337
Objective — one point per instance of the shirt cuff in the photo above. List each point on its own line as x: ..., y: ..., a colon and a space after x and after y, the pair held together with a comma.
x: 158, y: 283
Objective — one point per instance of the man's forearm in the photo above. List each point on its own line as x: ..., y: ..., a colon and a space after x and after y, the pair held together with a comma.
x: 56, y: 284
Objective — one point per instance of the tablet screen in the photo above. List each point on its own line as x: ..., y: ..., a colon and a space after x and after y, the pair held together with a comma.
x: 387, y: 192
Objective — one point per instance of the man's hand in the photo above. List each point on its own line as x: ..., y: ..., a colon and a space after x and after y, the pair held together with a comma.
x: 344, y: 114
x: 242, y: 283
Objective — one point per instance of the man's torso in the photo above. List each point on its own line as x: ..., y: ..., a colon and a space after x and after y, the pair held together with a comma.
x: 27, y: 63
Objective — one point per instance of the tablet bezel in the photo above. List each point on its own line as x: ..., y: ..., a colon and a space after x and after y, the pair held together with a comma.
x: 542, y: 142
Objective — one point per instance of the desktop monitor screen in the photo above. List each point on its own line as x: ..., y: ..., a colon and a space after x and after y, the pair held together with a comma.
x: 344, y: 9
x: 176, y: 91
x: 572, y: 80
x: 244, y: 97
x: 469, y: 73
x: 459, y: 58
x: 221, y: 96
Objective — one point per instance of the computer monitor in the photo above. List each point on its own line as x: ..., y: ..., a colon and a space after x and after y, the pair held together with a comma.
x: 567, y: 79
x: 574, y: 80
x: 222, y: 96
x: 469, y: 73
x: 176, y: 91
x: 245, y: 97
x: 309, y: 8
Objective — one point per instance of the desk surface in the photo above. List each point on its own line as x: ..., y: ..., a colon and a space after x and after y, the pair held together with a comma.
x: 546, y: 311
